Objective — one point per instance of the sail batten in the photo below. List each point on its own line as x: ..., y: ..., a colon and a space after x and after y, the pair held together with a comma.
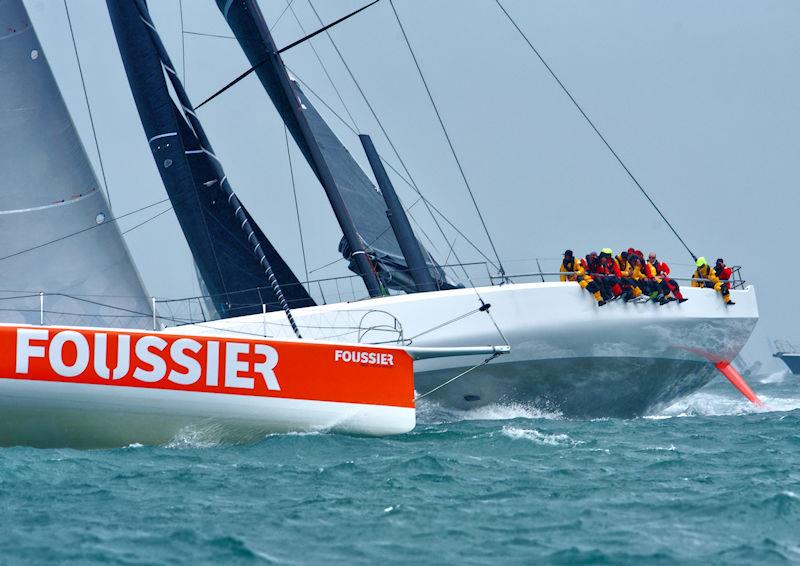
x: 332, y: 163
x: 221, y: 237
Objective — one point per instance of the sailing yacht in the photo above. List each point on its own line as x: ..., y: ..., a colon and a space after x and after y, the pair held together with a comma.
x: 788, y: 354
x: 566, y: 354
x: 82, y: 361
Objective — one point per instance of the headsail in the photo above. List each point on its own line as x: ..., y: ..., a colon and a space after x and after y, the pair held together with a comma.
x: 194, y: 178
x: 57, y: 233
x: 363, y: 201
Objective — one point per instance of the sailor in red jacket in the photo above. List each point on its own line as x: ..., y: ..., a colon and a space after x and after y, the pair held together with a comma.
x: 662, y: 269
x: 724, y: 273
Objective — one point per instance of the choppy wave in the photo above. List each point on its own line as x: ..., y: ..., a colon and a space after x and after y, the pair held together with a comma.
x: 539, y: 437
x: 430, y: 412
x: 775, y: 377
x: 501, y: 482
x: 199, y: 436
x: 710, y: 404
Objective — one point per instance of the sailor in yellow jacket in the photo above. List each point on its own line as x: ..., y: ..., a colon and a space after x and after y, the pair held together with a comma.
x: 569, y: 267
x: 705, y: 276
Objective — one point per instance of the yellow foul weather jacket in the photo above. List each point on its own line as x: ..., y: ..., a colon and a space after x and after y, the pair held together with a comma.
x: 705, y: 272
x: 575, y: 267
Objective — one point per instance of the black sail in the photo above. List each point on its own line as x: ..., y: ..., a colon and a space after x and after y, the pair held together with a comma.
x: 364, y: 202
x: 193, y: 176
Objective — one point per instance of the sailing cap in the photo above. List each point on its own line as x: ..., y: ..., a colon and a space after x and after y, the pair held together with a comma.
x: 701, y: 261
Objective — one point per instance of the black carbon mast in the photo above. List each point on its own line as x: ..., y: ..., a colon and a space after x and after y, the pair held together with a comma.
x: 237, y: 264
x: 410, y: 246
x: 369, y: 242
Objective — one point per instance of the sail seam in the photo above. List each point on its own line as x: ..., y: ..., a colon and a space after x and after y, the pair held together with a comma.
x: 16, y: 32
x: 52, y: 205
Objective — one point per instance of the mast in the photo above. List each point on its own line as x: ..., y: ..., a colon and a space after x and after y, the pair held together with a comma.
x: 412, y: 251
x: 247, y: 23
x: 238, y: 265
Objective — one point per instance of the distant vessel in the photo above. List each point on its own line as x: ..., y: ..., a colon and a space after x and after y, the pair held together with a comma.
x: 789, y: 354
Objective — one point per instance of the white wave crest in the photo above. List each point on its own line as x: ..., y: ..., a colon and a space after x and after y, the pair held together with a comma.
x: 430, y: 412
x: 716, y: 405
x: 204, y: 436
x: 776, y: 377
x: 538, y: 437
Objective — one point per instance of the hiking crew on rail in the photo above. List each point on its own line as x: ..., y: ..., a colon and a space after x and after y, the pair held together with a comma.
x: 630, y: 277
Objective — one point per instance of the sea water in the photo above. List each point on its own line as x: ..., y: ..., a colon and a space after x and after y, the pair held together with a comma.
x: 709, y: 480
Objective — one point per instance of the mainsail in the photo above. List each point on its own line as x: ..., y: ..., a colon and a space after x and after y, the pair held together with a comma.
x: 363, y: 202
x: 194, y: 178
x: 57, y: 233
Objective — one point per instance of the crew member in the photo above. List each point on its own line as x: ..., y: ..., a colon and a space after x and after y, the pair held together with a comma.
x: 705, y: 276
x: 605, y: 275
x: 640, y: 283
x: 662, y: 269
x: 724, y: 273
x: 629, y: 288
x: 569, y: 267
x: 586, y: 281
x: 659, y: 290
x: 622, y: 260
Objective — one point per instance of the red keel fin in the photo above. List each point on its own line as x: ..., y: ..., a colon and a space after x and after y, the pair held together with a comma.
x: 726, y: 369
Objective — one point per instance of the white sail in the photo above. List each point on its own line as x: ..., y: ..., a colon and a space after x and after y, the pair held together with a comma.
x: 57, y: 234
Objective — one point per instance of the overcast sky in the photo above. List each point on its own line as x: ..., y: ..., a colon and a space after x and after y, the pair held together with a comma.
x: 700, y: 99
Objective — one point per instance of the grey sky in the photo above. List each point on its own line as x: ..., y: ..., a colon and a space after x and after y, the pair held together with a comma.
x: 700, y: 100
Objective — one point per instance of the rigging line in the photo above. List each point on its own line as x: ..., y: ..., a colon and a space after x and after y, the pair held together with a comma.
x: 146, y: 221
x: 462, y: 374
x: 400, y: 175
x: 272, y: 27
x: 325, y: 70
x: 88, y: 106
x: 412, y: 183
x: 325, y: 28
x: 99, y: 304
x: 183, y: 43
x: 447, y: 137
x: 208, y: 34
x: 92, y: 227
x: 296, y: 207
x: 418, y: 225
x: 597, y: 131
x: 279, y: 51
